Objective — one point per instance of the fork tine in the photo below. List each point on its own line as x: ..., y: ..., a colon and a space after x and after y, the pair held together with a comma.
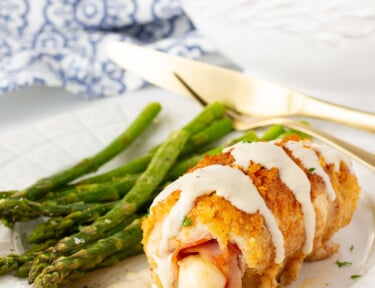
x: 191, y: 90
x: 231, y: 113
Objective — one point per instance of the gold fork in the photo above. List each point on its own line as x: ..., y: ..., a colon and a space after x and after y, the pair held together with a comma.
x: 243, y: 122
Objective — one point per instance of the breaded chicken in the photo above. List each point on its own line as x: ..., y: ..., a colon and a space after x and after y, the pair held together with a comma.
x: 250, y: 216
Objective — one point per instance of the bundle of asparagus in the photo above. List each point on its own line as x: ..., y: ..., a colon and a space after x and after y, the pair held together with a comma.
x: 95, y: 222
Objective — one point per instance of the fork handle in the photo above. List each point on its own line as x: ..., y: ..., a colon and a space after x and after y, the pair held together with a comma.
x: 325, y: 110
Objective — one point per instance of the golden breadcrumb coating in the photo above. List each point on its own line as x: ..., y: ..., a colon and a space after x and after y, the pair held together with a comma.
x: 228, y: 225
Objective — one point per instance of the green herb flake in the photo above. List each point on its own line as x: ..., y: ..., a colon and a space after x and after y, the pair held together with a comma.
x: 312, y: 169
x: 343, y: 263
x: 186, y: 222
x: 351, y: 248
x: 355, y: 276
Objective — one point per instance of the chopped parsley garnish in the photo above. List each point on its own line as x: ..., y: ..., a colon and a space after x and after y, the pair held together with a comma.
x: 355, y: 276
x: 343, y: 263
x: 312, y: 169
x: 351, y: 248
x: 186, y: 222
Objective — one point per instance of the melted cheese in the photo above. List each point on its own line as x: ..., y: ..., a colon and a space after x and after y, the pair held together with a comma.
x: 198, y: 272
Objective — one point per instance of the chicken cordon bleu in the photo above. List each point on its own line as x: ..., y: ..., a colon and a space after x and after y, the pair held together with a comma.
x: 250, y: 216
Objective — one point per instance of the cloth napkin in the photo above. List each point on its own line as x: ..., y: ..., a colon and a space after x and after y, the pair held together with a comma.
x: 62, y: 42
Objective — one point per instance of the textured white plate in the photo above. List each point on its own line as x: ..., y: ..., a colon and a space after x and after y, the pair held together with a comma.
x: 44, y: 147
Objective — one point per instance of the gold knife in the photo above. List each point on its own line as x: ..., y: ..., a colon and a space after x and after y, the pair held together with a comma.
x: 242, y: 93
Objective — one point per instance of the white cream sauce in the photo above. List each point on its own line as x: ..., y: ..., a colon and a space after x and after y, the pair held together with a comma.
x: 271, y: 155
x: 310, y: 159
x: 332, y: 155
x: 236, y: 187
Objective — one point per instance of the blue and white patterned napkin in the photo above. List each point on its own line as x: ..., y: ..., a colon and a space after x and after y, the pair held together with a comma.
x: 62, y: 42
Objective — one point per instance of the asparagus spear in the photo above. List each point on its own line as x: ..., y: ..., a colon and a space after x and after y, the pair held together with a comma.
x: 102, y: 192
x: 119, y: 256
x: 23, y: 270
x: 57, y: 227
x: 182, y: 166
x: 135, y: 166
x: 278, y: 131
x: 141, y: 192
x: 273, y: 132
x: 215, y: 131
x: 109, y: 261
x: 8, y: 264
x: 46, y: 257
x: 24, y: 210
x: 12, y: 262
x: 91, y: 164
x: 6, y: 194
x: 210, y: 113
x: 40, y: 262
x: 53, y: 209
x: 88, y: 258
x: 45, y: 230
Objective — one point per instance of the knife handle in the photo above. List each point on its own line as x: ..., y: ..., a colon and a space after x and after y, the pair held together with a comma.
x: 325, y: 110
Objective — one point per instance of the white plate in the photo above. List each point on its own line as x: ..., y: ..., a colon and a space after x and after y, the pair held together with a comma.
x: 44, y: 147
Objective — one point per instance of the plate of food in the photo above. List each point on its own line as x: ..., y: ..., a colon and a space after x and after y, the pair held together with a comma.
x: 247, y: 214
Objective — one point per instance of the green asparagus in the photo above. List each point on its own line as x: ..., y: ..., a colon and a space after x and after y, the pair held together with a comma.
x: 40, y: 262
x: 88, y: 258
x: 119, y: 256
x: 23, y: 270
x: 21, y: 209
x: 102, y: 192
x: 135, y: 166
x: 91, y: 164
x: 7, y: 194
x: 57, y: 227
x: 202, y: 121
x: 13, y: 261
x: 273, y: 132
x: 212, y: 133
x: 48, y: 256
x: 146, y: 184
x: 8, y: 264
